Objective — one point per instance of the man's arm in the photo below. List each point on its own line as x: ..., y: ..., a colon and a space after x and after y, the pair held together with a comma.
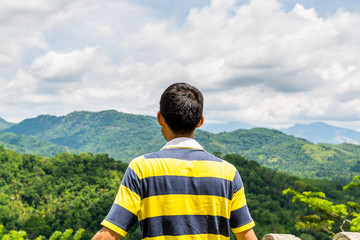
x: 106, y: 234
x: 246, y: 235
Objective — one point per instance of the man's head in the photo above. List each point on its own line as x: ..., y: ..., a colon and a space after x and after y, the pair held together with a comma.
x: 181, y: 106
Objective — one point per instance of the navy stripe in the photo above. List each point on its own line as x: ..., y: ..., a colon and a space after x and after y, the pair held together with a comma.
x: 121, y: 217
x: 185, y: 225
x: 184, y: 154
x: 163, y: 185
x: 238, y: 184
x: 240, y: 217
x: 131, y: 181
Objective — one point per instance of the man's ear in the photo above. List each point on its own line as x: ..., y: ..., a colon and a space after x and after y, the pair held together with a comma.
x: 160, y: 119
x: 201, y: 122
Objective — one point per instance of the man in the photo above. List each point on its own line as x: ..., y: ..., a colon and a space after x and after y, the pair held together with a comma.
x: 181, y: 191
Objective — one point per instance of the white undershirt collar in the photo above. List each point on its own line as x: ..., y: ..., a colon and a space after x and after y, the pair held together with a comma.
x: 183, y: 142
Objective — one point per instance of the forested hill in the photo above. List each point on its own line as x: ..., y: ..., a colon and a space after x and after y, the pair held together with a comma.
x: 4, y: 124
x: 30, y: 144
x: 295, y: 156
x: 120, y: 135
x: 124, y: 136
x: 42, y: 194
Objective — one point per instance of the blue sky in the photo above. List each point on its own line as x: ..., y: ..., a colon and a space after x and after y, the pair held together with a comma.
x: 325, y: 8
x: 270, y: 63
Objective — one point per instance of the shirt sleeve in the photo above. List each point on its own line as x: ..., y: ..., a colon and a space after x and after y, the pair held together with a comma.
x: 240, y: 218
x: 123, y: 213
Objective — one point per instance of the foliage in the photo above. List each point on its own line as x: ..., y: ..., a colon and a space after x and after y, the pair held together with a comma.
x: 271, y: 210
x: 355, y: 222
x: 30, y: 144
x: 329, y: 217
x: 55, y: 235
x: 20, y: 235
x: 42, y: 195
x: 79, y: 233
x: 354, y: 183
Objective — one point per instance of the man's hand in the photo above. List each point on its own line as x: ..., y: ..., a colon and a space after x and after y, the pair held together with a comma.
x: 246, y: 235
x: 106, y: 234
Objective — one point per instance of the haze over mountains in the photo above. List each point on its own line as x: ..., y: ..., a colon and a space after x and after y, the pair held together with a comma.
x: 225, y: 127
x: 317, y: 132
x: 125, y: 136
x: 4, y: 124
x: 320, y: 132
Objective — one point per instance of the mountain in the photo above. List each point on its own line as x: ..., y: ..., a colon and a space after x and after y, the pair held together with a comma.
x: 30, y: 144
x: 4, y: 124
x: 225, y: 127
x: 291, y: 155
x: 120, y: 135
x: 125, y: 136
x: 320, y: 132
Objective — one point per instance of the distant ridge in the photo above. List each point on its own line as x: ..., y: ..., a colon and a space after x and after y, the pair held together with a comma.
x: 319, y: 132
x: 225, y: 127
x: 124, y: 136
x: 29, y: 144
x: 118, y: 134
x: 4, y: 124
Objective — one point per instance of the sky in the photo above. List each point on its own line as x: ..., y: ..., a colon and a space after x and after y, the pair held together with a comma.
x: 269, y: 63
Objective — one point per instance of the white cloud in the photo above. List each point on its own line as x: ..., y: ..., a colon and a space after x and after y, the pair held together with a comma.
x: 25, y: 25
x: 61, y: 66
x: 254, y: 62
x: 308, y: 14
x: 296, y: 56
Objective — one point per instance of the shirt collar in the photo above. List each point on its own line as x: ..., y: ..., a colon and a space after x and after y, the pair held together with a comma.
x: 183, y: 142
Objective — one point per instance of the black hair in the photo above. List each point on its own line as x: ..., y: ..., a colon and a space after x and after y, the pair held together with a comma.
x: 181, y: 105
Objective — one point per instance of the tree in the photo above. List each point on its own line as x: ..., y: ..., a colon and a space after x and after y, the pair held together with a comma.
x: 36, y: 226
x: 57, y: 235
x: 329, y: 217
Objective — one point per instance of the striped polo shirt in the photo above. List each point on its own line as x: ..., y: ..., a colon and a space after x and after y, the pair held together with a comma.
x: 180, y: 192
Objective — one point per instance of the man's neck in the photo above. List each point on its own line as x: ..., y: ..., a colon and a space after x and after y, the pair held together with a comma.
x: 171, y: 135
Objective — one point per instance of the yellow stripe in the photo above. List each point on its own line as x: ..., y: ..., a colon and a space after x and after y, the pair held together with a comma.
x: 190, y: 237
x: 176, y: 167
x: 113, y: 227
x: 179, y: 204
x: 238, y: 200
x: 128, y: 199
x: 243, y: 228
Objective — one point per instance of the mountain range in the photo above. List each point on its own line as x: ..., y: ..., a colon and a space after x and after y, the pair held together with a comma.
x: 118, y: 134
x: 320, y: 132
x: 317, y: 132
x: 225, y: 127
x: 125, y: 136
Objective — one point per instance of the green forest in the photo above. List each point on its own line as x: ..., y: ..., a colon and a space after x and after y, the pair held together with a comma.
x: 42, y: 195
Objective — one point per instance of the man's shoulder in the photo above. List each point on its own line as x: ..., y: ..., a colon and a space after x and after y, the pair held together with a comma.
x: 140, y: 159
x: 184, y: 154
x: 178, y: 156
